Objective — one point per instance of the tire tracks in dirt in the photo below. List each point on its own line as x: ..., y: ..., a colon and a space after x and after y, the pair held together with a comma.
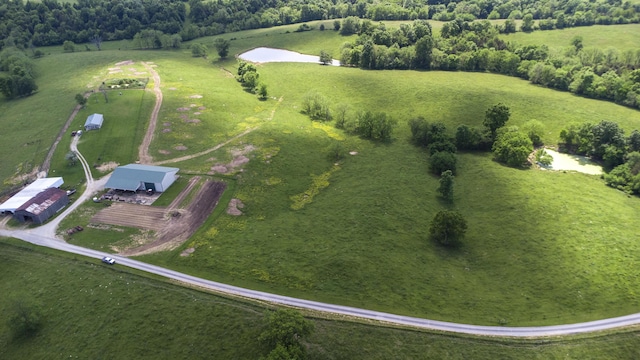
x: 143, y: 151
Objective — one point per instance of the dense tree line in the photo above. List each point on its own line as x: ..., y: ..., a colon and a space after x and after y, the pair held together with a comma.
x: 476, y: 46
x: 16, y: 74
x: 50, y: 22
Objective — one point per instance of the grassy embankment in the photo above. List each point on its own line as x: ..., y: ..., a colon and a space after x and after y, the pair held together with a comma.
x: 91, y: 310
x: 538, y: 250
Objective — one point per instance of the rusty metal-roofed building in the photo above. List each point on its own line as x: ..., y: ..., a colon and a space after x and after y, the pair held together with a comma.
x: 42, y: 206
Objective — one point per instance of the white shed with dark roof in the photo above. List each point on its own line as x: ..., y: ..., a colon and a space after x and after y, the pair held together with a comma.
x: 134, y: 177
x: 94, y: 122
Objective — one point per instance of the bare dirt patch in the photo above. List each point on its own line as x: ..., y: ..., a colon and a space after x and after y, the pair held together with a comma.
x: 166, y: 124
x: 166, y: 130
x: 240, y: 160
x: 219, y: 169
x: 193, y: 105
x: 188, y: 251
x: 195, y: 96
x: 164, y: 152
x: 234, y: 207
x: 104, y: 167
x: 353, y: 153
x: 235, y: 164
x: 130, y: 215
x: 183, y: 109
x: 177, y: 229
x: 201, y: 108
x: 197, y: 113
x: 181, y: 148
x: 193, y: 121
x: 172, y: 88
x: 126, y: 62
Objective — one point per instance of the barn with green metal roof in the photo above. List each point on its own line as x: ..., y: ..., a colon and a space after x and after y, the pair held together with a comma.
x: 135, y: 177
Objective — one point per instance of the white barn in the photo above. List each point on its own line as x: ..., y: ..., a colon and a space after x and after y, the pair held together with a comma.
x: 26, y: 194
x: 134, y: 177
x: 94, y: 122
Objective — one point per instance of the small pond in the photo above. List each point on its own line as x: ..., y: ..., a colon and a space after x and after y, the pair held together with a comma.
x: 263, y: 55
x: 572, y: 162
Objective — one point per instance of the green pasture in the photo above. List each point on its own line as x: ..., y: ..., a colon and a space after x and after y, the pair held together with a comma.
x: 91, y: 310
x: 621, y: 37
x: 542, y: 247
x: 362, y: 241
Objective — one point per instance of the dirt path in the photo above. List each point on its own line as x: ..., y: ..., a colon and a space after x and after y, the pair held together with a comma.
x: 189, y: 157
x: 143, y: 151
x: 183, y: 194
x: 44, y: 168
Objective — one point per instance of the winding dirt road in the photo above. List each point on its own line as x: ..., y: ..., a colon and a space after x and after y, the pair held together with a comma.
x: 143, y: 151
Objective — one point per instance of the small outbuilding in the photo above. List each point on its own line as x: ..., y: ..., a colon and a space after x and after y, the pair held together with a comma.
x: 94, y: 122
x: 42, y: 206
x: 135, y: 177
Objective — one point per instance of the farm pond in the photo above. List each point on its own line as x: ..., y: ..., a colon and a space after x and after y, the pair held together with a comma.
x: 264, y: 54
x: 573, y: 163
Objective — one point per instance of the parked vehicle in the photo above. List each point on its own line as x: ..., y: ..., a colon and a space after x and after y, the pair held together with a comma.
x: 108, y: 260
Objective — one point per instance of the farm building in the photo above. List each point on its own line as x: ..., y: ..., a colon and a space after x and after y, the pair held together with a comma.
x: 26, y: 194
x: 134, y: 177
x: 42, y: 206
x: 94, y: 122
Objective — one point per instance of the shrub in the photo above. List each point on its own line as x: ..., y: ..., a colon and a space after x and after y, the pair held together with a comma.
x: 442, y: 161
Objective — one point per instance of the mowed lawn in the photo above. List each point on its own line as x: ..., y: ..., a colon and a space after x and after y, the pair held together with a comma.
x: 92, y: 310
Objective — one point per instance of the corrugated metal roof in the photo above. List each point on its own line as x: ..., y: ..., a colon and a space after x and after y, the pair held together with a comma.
x: 29, y: 192
x: 94, y: 119
x: 129, y: 177
x: 42, y: 201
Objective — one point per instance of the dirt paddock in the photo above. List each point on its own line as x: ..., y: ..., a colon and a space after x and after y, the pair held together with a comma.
x: 173, y: 224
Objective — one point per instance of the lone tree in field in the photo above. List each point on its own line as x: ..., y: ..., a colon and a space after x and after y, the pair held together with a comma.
x: 282, y: 333
x: 81, y: 100
x: 325, y: 58
x: 495, y: 118
x: 263, y: 94
x: 448, y: 227
x: 25, y: 319
x: 222, y: 47
x: 446, y: 185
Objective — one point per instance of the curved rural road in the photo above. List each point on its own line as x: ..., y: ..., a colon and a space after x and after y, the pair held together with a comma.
x: 537, y: 331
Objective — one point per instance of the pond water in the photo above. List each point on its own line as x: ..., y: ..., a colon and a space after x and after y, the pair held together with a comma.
x: 572, y: 162
x: 263, y: 55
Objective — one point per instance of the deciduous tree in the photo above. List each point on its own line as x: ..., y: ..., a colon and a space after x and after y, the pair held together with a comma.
x: 448, y: 227
x: 222, y: 47
x: 496, y: 117
x: 512, y: 147
x: 446, y: 185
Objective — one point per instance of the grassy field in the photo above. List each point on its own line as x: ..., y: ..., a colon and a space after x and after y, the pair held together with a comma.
x: 91, y: 310
x: 621, y: 37
x: 538, y: 250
